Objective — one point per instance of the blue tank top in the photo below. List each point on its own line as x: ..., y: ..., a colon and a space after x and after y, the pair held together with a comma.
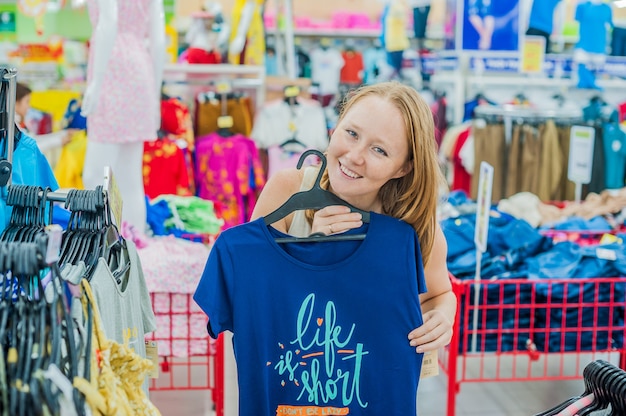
x: 319, y: 328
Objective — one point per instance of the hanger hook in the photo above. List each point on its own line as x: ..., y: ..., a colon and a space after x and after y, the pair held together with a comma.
x: 321, y: 156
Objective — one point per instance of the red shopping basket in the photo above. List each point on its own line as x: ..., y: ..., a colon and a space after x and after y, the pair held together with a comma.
x: 522, y: 330
x: 188, y: 358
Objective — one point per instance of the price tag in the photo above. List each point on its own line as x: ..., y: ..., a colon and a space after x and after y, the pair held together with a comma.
x: 532, y: 54
x: 485, y: 185
x: 292, y: 91
x: 114, y: 195
x: 581, y: 154
x: 430, y: 364
x: 224, y: 122
x: 152, y: 354
x: 224, y: 87
x: 55, y: 237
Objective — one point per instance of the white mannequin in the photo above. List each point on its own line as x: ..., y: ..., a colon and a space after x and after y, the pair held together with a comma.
x: 121, y: 100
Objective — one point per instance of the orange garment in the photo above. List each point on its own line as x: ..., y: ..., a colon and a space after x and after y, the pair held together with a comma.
x: 352, y: 70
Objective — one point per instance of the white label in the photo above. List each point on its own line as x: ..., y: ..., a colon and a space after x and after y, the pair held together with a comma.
x: 55, y: 237
x: 479, y: 123
x: 606, y: 254
x: 581, y: 154
x: 485, y: 184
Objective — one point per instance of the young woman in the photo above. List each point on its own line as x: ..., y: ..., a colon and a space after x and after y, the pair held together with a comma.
x: 381, y: 158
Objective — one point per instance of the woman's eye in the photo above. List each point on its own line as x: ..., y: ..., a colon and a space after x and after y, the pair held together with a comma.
x: 381, y: 151
x: 351, y: 133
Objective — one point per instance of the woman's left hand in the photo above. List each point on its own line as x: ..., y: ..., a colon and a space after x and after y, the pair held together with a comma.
x: 435, y: 332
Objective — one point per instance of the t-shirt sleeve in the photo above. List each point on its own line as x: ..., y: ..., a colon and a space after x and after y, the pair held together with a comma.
x: 215, y: 288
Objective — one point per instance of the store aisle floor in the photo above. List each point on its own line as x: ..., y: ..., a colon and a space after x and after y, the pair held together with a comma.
x: 484, y: 399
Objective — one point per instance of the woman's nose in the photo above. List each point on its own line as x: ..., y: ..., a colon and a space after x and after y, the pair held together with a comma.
x: 356, y: 154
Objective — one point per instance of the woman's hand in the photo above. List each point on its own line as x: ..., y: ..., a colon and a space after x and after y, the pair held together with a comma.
x: 335, y: 219
x: 435, y: 332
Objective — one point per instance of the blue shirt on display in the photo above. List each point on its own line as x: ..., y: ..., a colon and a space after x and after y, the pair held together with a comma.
x: 593, y: 20
x: 30, y: 167
x: 319, y: 326
x: 542, y: 15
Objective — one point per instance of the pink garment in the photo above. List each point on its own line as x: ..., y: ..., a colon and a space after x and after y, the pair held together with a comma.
x: 279, y: 158
x: 127, y: 110
x: 229, y: 173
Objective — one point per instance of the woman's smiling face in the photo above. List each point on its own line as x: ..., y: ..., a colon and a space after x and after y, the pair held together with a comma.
x: 368, y: 147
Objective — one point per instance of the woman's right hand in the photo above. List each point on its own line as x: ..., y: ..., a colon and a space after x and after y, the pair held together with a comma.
x: 335, y: 219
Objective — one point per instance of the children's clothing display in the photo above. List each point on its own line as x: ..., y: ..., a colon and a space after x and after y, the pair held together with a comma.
x: 289, y: 301
x: 594, y: 17
x: 229, y: 173
x: 326, y: 64
x: 165, y: 169
x: 541, y: 20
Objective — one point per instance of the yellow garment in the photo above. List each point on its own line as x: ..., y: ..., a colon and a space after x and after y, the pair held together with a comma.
x: 254, y: 50
x: 117, y: 372
x: 53, y: 102
x: 69, y: 169
x: 396, y: 38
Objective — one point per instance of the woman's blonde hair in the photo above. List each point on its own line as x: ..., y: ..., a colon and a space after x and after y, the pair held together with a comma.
x: 413, y: 197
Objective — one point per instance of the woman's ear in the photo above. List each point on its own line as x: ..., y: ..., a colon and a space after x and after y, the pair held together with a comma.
x: 404, y: 170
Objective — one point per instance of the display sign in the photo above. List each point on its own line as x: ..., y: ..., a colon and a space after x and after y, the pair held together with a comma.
x: 581, y: 145
x: 8, y: 28
x: 114, y: 195
x: 485, y: 185
x: 532, y: 54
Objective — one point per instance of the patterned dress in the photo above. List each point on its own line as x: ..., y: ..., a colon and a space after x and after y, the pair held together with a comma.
x: 127, y: 110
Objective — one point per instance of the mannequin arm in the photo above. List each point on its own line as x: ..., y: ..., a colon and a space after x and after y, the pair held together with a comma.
x: 157, y: 42
x: 103, y: 41
x: 238, y: 42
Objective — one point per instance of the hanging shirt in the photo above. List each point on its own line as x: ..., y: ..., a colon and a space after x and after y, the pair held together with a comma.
x: 352, y: 71
x: 326, y: 66
x: 322, y: 317
x: 125, y: 308
x: 69, y: 168
x: 373, y: 59
x: 542, y: 15
x: 30, y: 167
x: 164, y: 169
x: 593, y: 20
x: 278, y: 121
x: 229, y: 173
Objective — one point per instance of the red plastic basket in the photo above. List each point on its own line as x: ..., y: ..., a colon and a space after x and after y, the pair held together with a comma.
x: 188, y: 358
x: 524, y: 326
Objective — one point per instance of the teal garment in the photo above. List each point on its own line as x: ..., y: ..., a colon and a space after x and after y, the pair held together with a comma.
x: 192, y: 214
x: 30, y: 167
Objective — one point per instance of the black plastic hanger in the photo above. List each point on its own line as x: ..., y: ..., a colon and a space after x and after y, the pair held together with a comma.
x: 314, y: 198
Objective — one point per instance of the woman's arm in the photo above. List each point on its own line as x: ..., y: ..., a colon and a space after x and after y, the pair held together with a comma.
x: 276, y: 191
x: 438, y: 304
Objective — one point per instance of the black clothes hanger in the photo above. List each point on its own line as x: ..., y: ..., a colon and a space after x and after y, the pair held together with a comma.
x: 315, y: 198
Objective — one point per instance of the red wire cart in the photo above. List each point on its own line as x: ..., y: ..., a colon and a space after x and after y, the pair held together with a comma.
x: 188, y: 358
x: 520, y: 326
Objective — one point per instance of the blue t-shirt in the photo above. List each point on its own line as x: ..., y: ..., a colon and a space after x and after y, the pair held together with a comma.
x: 593, y: 19
x: 542, y: 15
x: 30, y: 167
x: 614, y: 141
x: 319, y: 326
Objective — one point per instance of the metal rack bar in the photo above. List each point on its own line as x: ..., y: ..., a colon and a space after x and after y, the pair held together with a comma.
x: 10, y: 106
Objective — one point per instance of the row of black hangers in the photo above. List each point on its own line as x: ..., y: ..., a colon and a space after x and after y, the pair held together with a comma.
x: 36, y: 332
x: 605, y: 388
x: 91, y: 234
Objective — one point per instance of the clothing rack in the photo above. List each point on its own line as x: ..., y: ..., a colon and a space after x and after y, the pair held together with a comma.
x: 517, y: 111
x: 10, y: 107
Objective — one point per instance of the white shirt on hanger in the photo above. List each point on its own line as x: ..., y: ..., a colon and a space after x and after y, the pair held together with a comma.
x: 277, y: 122
x: 326, y: 67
